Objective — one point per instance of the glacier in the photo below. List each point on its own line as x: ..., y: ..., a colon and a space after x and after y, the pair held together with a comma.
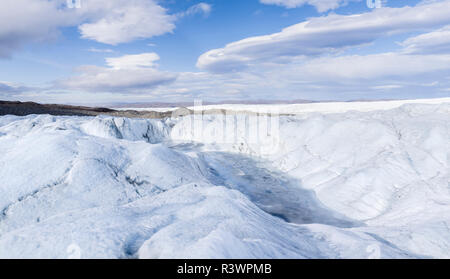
x: 347, y: 184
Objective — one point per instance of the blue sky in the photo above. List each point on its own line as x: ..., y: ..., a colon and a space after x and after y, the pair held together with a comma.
x: 103, y: 52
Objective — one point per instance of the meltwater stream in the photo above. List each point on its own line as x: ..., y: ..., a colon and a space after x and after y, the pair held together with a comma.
x: 272, y: 191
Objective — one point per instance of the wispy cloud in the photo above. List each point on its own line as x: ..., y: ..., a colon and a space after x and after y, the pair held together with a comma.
x: 100, y: 50
x: 9, y: 88
x: 434, y: 42
x: 197, y: 9
x: 320, y: 5
x: 387, y: 87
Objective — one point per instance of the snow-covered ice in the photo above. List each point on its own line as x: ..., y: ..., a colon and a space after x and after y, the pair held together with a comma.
x: 350, y: 184
x: 305, y: 108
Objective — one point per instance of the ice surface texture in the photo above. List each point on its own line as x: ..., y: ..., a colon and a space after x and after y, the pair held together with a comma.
x: 345, y: 185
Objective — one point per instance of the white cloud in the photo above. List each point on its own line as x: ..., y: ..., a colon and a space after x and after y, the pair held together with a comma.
x: 135, y: 61
x: 386, y: 76
x: 371, y: 67
x: 434, y: 42
x: 23, y: 21
x: 100, y: 50
x: 200, y: 8
x: 127, y: 74
x: 326, y: 34
x: 320, y: 5
x: 122, y: 21
x: 387, y: 87
x: 391, y: 75
x: 106, y: 21
x: 125, y: 21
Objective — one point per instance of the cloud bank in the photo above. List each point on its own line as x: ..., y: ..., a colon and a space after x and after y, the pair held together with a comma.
x: 126, y: 74
x: 324, y: 35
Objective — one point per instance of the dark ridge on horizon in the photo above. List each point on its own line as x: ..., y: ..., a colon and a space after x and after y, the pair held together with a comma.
x: 27, y: 108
